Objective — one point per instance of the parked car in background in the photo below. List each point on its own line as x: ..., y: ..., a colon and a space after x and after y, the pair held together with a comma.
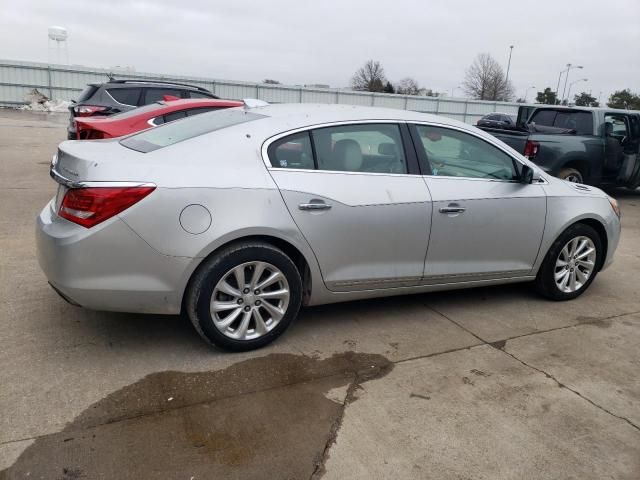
x: 238, y: 217
x: 598, y: 146
x: 498, y: 120
x: 149, y: 116
x: 117, y: 96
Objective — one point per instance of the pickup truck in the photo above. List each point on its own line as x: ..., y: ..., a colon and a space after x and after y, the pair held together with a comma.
x: 597, y: 146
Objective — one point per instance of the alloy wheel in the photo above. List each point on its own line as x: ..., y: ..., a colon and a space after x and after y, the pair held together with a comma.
x: 575, y: 264
x: 250, y: 300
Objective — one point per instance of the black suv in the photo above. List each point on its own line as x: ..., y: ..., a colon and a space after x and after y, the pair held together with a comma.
x: 117, y: 96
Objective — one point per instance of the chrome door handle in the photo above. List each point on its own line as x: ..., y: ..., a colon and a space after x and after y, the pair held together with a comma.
x: 314, y: 206
x: 452, y: 210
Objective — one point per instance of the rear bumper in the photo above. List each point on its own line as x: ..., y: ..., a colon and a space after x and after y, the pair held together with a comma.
x: 108, y: 267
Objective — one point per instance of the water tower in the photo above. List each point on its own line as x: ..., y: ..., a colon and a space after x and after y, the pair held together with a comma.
x: 58, y: 35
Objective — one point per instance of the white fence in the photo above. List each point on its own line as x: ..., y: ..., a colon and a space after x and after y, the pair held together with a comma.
x: 64, y: 82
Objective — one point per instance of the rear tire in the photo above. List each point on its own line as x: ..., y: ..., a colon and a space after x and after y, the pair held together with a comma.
x: 572, y: 175
x: 568, y: 268
x: 245, y: 296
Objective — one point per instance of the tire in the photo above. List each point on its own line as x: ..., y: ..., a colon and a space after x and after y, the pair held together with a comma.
x: 218, y: 277
x: 571, y: 175
x: 551, y: 266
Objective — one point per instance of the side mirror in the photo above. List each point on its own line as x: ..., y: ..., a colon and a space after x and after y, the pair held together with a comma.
x: 529, y: 175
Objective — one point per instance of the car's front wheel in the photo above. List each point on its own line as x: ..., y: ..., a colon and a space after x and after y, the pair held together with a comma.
x: 245, y: 296
x: 571, y: 264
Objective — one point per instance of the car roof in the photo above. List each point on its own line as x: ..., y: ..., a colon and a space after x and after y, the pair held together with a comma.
x: 307, y: 114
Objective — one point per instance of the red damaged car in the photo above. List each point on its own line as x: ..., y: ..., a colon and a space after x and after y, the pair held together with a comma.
x: 125, y: 123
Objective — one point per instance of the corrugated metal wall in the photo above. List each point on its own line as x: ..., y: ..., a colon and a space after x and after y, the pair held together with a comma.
x: 62, y: 82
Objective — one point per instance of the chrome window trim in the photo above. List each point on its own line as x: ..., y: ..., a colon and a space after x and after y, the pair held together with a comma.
x: 495, y: 143
x: 273, y: 138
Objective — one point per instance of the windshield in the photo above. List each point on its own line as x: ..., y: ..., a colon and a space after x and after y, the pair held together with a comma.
x: 190, y: 127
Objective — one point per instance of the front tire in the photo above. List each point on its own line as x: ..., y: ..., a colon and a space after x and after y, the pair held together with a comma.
x: 571, y: 264
x: 572, y: 175
x: 245, y: 296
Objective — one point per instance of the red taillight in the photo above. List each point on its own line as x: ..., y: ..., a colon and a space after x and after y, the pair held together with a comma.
x: 93, y: 205
x: 88, y: 110
x: 531, y: 149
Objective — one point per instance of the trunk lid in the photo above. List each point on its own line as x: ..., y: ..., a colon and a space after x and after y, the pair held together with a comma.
x: 98, y: 160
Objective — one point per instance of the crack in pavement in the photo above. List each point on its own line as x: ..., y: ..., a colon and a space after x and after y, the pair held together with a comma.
x: 501, y: 344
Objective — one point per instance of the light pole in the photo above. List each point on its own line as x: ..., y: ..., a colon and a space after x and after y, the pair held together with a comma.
x: 454, y: 89
x: 509, y: 64
x: 572, y: 84
x: 569, y: 67
x: 526, y: 92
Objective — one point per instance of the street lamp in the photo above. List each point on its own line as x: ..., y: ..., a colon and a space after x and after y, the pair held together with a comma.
x: 571, y: 85
x: 454, y: 89
x: 526, y: 92
x: 509, y: 64
x: 569, y: 67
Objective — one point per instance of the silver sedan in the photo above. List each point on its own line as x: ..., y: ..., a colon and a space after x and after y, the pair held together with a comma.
x: 239, y: 217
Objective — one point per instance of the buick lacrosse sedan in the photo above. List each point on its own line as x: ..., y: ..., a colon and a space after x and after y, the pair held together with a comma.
x: 238, y: 217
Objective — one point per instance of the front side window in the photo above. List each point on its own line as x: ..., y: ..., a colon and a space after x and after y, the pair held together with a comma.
x: 371, y: 148
x: 453, y: 153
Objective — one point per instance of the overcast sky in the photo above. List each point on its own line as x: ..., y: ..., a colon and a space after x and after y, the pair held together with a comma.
x: 325, y: 41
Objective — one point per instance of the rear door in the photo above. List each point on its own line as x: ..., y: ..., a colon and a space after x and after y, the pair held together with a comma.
x: 486, y: 224
x: 356, y: 194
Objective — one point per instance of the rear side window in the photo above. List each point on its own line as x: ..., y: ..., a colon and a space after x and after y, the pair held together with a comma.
x: 126, y: 96
x: 192, y: 94
x: 293, y: 151
x: 196, y: 111
x: 366, y: 148
x: 580, y: 122
x: 170, y: 117
x: 87, y: 93
x: 171, y: 133
x: 157, y: 94
x: 373, y: 148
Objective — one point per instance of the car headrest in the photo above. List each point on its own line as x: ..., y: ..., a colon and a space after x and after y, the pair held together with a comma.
x: 387, y: 148
x: 347, y: 155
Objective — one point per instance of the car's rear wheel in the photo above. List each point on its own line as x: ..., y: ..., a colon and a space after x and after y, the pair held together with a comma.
x: 245, y: 296
x: 571, y: 264
x: 571, y: 175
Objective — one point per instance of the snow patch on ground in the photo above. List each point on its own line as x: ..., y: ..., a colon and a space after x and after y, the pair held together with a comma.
x: 38, y: 102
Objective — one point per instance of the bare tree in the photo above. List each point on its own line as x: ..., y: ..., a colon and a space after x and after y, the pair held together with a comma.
x: 485, y: 80
x: 369, y: 78
x: 408, y: 86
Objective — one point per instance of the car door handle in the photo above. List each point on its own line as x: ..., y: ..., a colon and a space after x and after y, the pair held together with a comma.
x: 452, y: 209
x: 314, y: 206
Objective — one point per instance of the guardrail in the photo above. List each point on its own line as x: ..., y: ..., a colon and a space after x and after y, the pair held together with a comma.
x: 65, y: 82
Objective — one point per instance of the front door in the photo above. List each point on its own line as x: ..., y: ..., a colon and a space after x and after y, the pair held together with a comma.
x: 486, y: 224
x: 358, y: 199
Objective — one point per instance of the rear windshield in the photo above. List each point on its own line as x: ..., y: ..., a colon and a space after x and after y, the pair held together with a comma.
x: 579, y: 121
x: 190, y: 127
x: 87, y: 93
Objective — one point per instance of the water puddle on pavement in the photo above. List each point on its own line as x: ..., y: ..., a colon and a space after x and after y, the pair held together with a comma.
x: 267, y: 417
